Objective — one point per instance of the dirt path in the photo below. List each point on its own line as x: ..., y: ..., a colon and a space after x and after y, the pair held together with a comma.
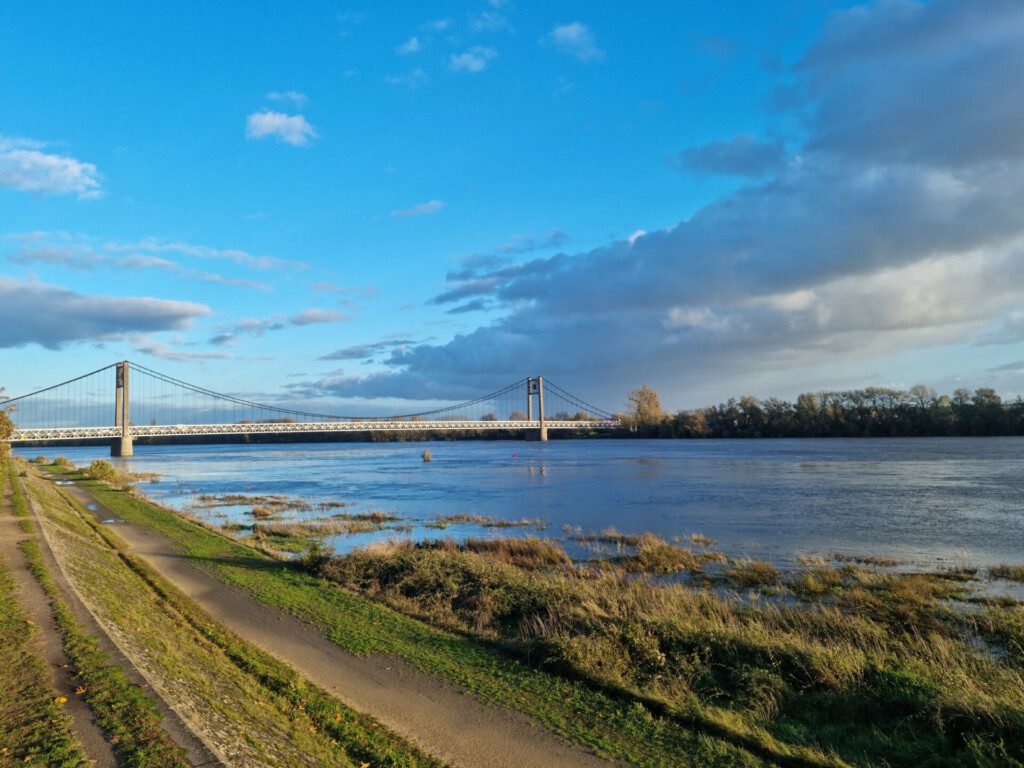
x: 48, y: 641
x: 439, y: 718
x: 196, y: 752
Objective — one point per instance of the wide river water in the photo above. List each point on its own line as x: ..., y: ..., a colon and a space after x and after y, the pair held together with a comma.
x: 936, y: 501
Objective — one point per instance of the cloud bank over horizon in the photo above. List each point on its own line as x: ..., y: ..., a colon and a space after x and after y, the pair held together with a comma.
x: 894, y: 225
x: 817, y: 196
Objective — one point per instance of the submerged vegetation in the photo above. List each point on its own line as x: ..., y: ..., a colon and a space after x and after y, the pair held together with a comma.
x: 485, y: 521
x: 664, y: 651
x: 878, y: 668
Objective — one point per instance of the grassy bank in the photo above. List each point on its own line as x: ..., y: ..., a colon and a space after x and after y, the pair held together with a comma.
x: 608, y: 721
x: 839, y: 663
x: 17, y: 497
x: 127, y: 716
x: 248, y: 706
x: 35, y: 729
x: 878, y: 668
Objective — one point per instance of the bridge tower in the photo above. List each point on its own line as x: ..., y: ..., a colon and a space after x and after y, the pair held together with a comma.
x: 123, y: 445
x: 535, y: 386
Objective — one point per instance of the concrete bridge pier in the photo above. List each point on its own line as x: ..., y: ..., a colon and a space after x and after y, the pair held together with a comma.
x: 535, y: 386
x: 123, y: 445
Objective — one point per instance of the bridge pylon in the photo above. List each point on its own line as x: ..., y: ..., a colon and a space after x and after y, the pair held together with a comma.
x: 122, y: 445
x: 535, y: 386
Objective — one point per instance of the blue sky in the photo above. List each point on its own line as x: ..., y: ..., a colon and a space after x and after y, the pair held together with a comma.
x: 342, y: 203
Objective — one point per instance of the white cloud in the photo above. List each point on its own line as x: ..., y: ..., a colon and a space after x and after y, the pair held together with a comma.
x: 163, y: 351
x: 885, y: 236
x: 81, y: 252
x: 574, y: 40
x: 51, y: 316
x: 412, y: 45
x: 437, y: 25
x: 475, y: 59
x: 317, y: 317
x: 257, y: 326
x: 421, y: 209
x: 25, y: 166
x: 489, y: 21
x: 89, y: 260
x: 294, y: 97
x: 412, y: 79
x: 290, y: 129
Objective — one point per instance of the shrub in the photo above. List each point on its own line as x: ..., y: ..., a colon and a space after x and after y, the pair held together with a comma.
x: 102, y: 471
x: 64, y: 461
x: 428, y: 456
x: 41, y: 460
x: 315, y: 556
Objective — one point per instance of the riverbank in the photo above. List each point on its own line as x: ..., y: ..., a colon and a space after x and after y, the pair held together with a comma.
x: 841, y: 663
x: 244, y: 706
x: 935, y: 502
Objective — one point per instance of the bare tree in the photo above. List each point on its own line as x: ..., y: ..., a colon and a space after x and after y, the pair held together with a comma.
x: 645, y: 406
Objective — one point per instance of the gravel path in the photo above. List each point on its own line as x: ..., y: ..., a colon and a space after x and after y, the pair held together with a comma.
x: 196, y: 751
x: 439, y: 718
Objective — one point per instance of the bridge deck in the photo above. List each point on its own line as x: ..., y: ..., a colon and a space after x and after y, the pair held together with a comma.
x: 286, y: 428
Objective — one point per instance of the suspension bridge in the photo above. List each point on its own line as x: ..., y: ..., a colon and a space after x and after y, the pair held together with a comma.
x: 125, y: 401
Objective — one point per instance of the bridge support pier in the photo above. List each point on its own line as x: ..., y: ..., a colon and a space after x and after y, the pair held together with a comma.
x: 123, y: 445
x: 535, y: 386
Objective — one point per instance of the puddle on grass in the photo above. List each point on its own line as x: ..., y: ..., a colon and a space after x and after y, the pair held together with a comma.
x: 91, y: 506
x: 111, y: 521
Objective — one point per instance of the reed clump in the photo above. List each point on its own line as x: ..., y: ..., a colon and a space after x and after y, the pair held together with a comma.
x: 874, y: 667
x: 753, y: 573
x: 877, y: 560
x: 1008, y: 572
x: 655, y: 555
x: 484, y: 521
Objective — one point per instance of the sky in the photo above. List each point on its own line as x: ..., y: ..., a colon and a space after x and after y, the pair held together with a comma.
x: 369, y: 207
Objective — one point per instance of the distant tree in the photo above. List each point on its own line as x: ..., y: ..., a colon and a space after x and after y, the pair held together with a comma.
x: 517, y: 416
x: 922, y: 395
x: 6, y: 425
x: 873, y: 411
x: 645, y: 406
x: 492, y: 416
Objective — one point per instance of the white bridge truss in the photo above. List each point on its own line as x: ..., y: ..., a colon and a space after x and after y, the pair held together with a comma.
x: 47, y: 434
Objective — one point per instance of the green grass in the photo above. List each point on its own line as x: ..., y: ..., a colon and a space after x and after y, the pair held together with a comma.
x: 35, y: 728
x: 18, y: 504
x: 125, y: 714
x: 285, y: 720
x: 853, y: 666
x: 610, y: 720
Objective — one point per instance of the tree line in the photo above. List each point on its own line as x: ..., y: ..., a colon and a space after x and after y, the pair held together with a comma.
x: 870, y: 412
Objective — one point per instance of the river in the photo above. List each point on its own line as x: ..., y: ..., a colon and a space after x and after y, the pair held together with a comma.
x: 935, y: 501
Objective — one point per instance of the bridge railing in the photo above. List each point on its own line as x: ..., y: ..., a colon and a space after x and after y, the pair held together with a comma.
x: 47, y: 434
